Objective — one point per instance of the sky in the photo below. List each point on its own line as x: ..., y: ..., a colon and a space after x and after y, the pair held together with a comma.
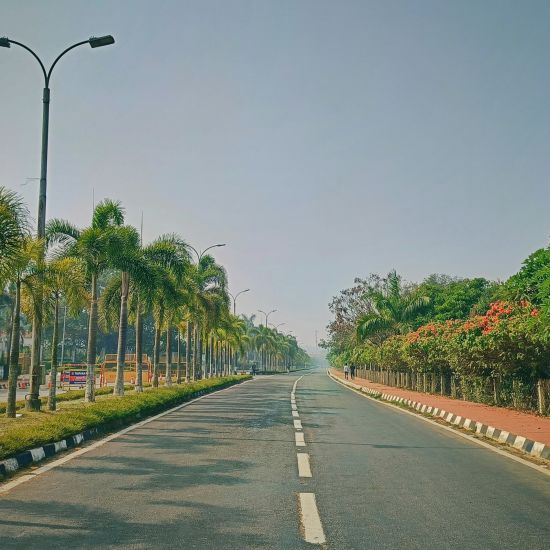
x: 320, y: 140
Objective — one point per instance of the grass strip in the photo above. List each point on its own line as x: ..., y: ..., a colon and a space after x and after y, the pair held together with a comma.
x: 37, y: 429
x: 70, y: 395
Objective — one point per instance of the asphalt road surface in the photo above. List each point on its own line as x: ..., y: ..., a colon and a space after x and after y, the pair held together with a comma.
x: 223, y: 473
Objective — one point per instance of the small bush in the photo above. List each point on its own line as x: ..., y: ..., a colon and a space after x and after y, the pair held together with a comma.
x: 36, y: 429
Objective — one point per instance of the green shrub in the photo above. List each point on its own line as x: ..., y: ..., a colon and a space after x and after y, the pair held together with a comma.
x: 36, y: 429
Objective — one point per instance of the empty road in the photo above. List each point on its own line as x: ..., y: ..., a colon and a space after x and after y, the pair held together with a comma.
x: 223, y: 472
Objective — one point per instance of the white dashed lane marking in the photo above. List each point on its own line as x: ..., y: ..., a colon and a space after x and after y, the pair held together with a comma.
x: 311, y: 522
x: 297, y: 424
x: 295, y: 414
x: 300, y: 439
x: 304, y: 469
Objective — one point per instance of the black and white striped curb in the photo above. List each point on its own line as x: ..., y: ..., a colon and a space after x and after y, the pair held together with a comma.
x: 26, y: 458
x: 533, y: 448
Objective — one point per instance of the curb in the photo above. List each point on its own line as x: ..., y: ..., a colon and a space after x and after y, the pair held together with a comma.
x: 518, y: 442
x: 10, y: 465
x: 25, y: 458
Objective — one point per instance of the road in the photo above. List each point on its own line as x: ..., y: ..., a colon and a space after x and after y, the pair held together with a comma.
x: 222, y: 473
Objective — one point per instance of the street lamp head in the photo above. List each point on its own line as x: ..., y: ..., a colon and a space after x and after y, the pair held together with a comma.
x: 218, y: 245
x: 5, y: 42
x: 97, y: 42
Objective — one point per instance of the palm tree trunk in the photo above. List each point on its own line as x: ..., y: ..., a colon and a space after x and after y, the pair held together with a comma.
x: 200, y: 354
x: 139, y: 350
x: 168, y: 356
x: 122, y: 335
x: 212, y: 358
x: 206, y: 340
x: 156, y: 356
x: 8, y: 347
x: 187, y: 351
x: 14, y: 353
x: 53, y: 372
x: 195, y: 346
x: 178, y: 369
x: 91, y: 350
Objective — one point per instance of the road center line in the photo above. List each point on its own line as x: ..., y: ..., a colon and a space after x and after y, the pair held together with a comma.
x: 299, y: 439
x: 297, y: 424
x: 304, y: 469
x: 311, y: 522
x: 295, y: 413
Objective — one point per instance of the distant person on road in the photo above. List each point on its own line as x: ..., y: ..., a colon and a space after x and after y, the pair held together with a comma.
x: 352, y: 371
x: 346, y: 372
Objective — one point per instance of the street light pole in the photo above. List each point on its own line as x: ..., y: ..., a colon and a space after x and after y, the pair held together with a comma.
x: 277, y: 326
x: 34, y: 402
x: 201, y: 254
x: 235, y: 299
x: 267, y: 315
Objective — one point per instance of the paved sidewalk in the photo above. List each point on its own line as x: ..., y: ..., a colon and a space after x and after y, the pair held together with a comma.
x: 530, y: 426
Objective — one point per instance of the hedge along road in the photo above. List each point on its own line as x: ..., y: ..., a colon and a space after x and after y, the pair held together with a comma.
x: 223, y: 473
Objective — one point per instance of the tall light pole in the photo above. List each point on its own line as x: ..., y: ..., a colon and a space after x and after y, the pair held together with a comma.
x: 267, y: 315
x: 235, y: 299
x: 201, y: 254
x: 95, y: 42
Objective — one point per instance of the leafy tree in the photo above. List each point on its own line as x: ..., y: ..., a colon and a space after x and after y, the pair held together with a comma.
x: 394, y: 310
x: 454, y: 298
x: 531, y: 281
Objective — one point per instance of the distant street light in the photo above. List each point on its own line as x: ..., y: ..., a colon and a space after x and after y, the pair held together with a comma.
x: 201, y: 254
x: 95, y: 42
x: 277, y: 326
x: 267, y: 315
x: 235, y: 299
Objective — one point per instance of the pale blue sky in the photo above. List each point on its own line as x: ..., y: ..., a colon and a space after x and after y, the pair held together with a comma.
x: 320, y: 140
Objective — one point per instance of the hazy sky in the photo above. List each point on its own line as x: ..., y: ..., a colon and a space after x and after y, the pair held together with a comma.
x: 319, y: 140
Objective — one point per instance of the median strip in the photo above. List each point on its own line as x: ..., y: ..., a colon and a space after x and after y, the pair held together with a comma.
x: 23, y: 444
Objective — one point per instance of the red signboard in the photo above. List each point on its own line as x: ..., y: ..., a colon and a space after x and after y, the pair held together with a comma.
x: 74, y: 377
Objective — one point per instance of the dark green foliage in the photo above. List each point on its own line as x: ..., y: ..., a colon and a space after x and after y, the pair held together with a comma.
x: 531, y: 282
x: 453, y: 298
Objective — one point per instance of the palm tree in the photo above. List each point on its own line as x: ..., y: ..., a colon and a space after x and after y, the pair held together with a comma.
x: 13, y: 227
x: 169, y: 252
x: 25, y: 273
x: 64, y: 280
x: 208, y: 299
x: 263, y: 341
x: 393, y: 311
x: 92, y: 246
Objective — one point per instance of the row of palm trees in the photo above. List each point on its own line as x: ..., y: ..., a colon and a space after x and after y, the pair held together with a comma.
x: 107, y: 270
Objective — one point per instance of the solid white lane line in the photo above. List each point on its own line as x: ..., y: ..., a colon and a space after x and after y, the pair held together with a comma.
x: 304, y: 469
x: 294, y: 407
x: 297, y: 424
x: 300, y: 439
x: 295, y: 414
x: 295, y: 383
x: 311, y: 522
x: 471, y: 438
